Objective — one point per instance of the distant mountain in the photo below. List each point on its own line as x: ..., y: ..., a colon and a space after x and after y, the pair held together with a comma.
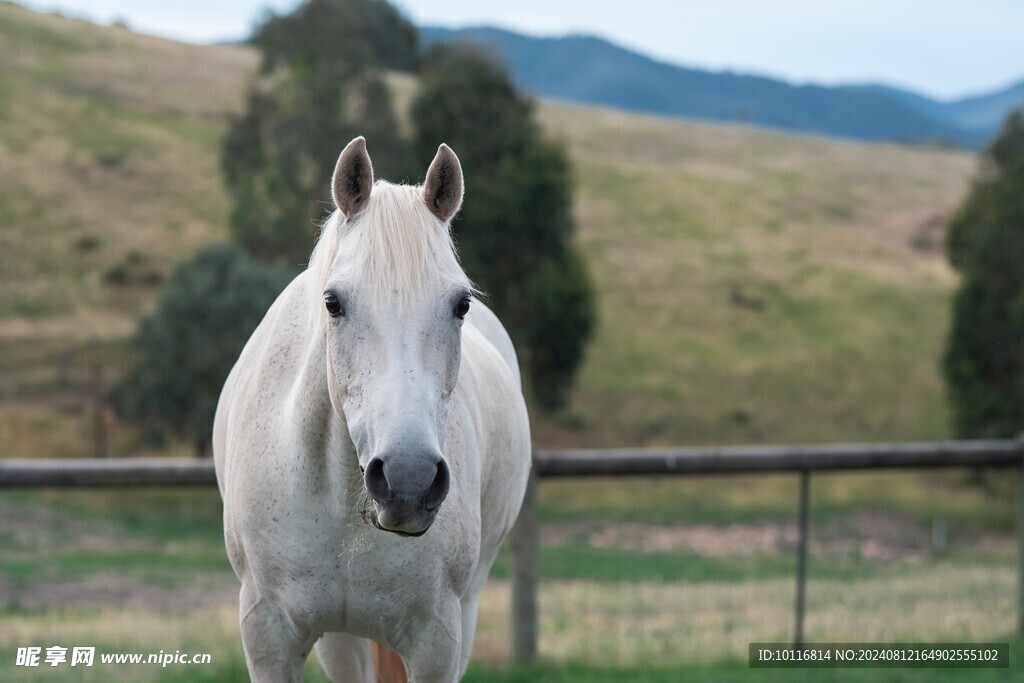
x: 592, y: 70
x: 986, y: 112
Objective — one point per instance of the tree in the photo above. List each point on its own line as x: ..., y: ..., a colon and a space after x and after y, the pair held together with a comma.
x: 320, y: 85
x: 515, y: 229
x: 970, y: 220
x: 984, y: 359
x: 184, y: 350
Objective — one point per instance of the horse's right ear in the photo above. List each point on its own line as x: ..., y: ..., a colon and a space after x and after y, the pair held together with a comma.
x: 442, y: 190
x: 353, y: 178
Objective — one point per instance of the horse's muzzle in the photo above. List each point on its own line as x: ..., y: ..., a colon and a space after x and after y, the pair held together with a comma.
x: 407, y: 491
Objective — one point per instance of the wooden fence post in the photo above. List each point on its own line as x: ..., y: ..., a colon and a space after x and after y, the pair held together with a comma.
x: 801, y: 557
x: 525, y: 542
x: 1020, y: 549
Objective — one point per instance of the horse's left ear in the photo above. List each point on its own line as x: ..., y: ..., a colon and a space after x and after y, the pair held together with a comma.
x: 442, y: 190
x: 353, y: 178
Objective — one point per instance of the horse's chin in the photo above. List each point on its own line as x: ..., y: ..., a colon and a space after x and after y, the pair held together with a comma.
x: 404, y: 530
x: 404, y: 534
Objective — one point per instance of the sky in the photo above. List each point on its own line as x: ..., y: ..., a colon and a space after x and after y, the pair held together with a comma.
x: 941, y: 48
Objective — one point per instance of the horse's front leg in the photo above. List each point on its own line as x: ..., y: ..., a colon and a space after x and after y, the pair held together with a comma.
x: 433, y: 652
x: 275, y: 649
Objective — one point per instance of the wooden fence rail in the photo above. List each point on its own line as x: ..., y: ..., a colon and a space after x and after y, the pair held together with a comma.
x: 801, y: 460
x: 128, y: 472
x: 753, y: 459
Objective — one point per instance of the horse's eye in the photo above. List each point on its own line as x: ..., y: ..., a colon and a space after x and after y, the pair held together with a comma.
x: 462, y: 308
x: 333, y: 305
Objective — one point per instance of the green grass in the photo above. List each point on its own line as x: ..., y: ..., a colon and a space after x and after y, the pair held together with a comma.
x: 578, y: 561
x: 739, y: 672
x: 720, y: 500
x: 184, y: 514
x: 728, y: 672
x: 170, y: 537
x: 164, y: 569
x: 166, y: 539
x: 142, y: 571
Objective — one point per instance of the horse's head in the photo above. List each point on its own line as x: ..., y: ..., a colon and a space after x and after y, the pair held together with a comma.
x: 394, y: 300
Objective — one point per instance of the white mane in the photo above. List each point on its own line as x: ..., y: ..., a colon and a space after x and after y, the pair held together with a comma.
x: 395, y: 246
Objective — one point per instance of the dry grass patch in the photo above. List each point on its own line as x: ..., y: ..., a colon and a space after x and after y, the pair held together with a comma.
x: 650, y: 624
x: 109, y: 143
x: 755, y: 286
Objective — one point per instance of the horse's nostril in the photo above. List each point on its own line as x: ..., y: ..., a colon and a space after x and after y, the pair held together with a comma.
x: 438, y: 489
x: 376, y: 482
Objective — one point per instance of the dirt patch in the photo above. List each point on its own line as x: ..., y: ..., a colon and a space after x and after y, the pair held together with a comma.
x: 874, y: 535
x: 701, y: 539
x: 563, y: 533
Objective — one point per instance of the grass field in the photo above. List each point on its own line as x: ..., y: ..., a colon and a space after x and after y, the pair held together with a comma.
x: 646, y: 580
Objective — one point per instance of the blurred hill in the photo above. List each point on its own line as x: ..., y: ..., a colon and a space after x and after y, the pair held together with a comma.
x: 752, y: 286
x: 591, y: 70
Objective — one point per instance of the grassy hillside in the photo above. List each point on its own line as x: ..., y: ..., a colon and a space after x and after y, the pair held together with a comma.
x: 108, y: 175
x: 752, y: 286
x: 757, y: 286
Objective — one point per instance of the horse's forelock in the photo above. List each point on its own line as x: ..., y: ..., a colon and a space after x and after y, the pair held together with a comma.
x: 395, y: 248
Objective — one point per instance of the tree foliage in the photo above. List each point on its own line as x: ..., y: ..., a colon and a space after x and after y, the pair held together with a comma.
x: 515, y: 229
x: 184, y: 350
x: 332, y: 39
x: 984, y: 360
x: 1006, y: 149
x: 321, y: 85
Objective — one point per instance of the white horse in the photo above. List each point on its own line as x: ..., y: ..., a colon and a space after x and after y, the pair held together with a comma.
x: 371, y: 443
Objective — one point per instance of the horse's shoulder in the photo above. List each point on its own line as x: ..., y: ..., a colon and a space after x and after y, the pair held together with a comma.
x: 489, y: 332
x: 279, y: 330
x: 260, y: 357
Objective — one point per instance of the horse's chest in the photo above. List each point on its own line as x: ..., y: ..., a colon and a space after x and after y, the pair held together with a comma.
x: 335, y: 573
